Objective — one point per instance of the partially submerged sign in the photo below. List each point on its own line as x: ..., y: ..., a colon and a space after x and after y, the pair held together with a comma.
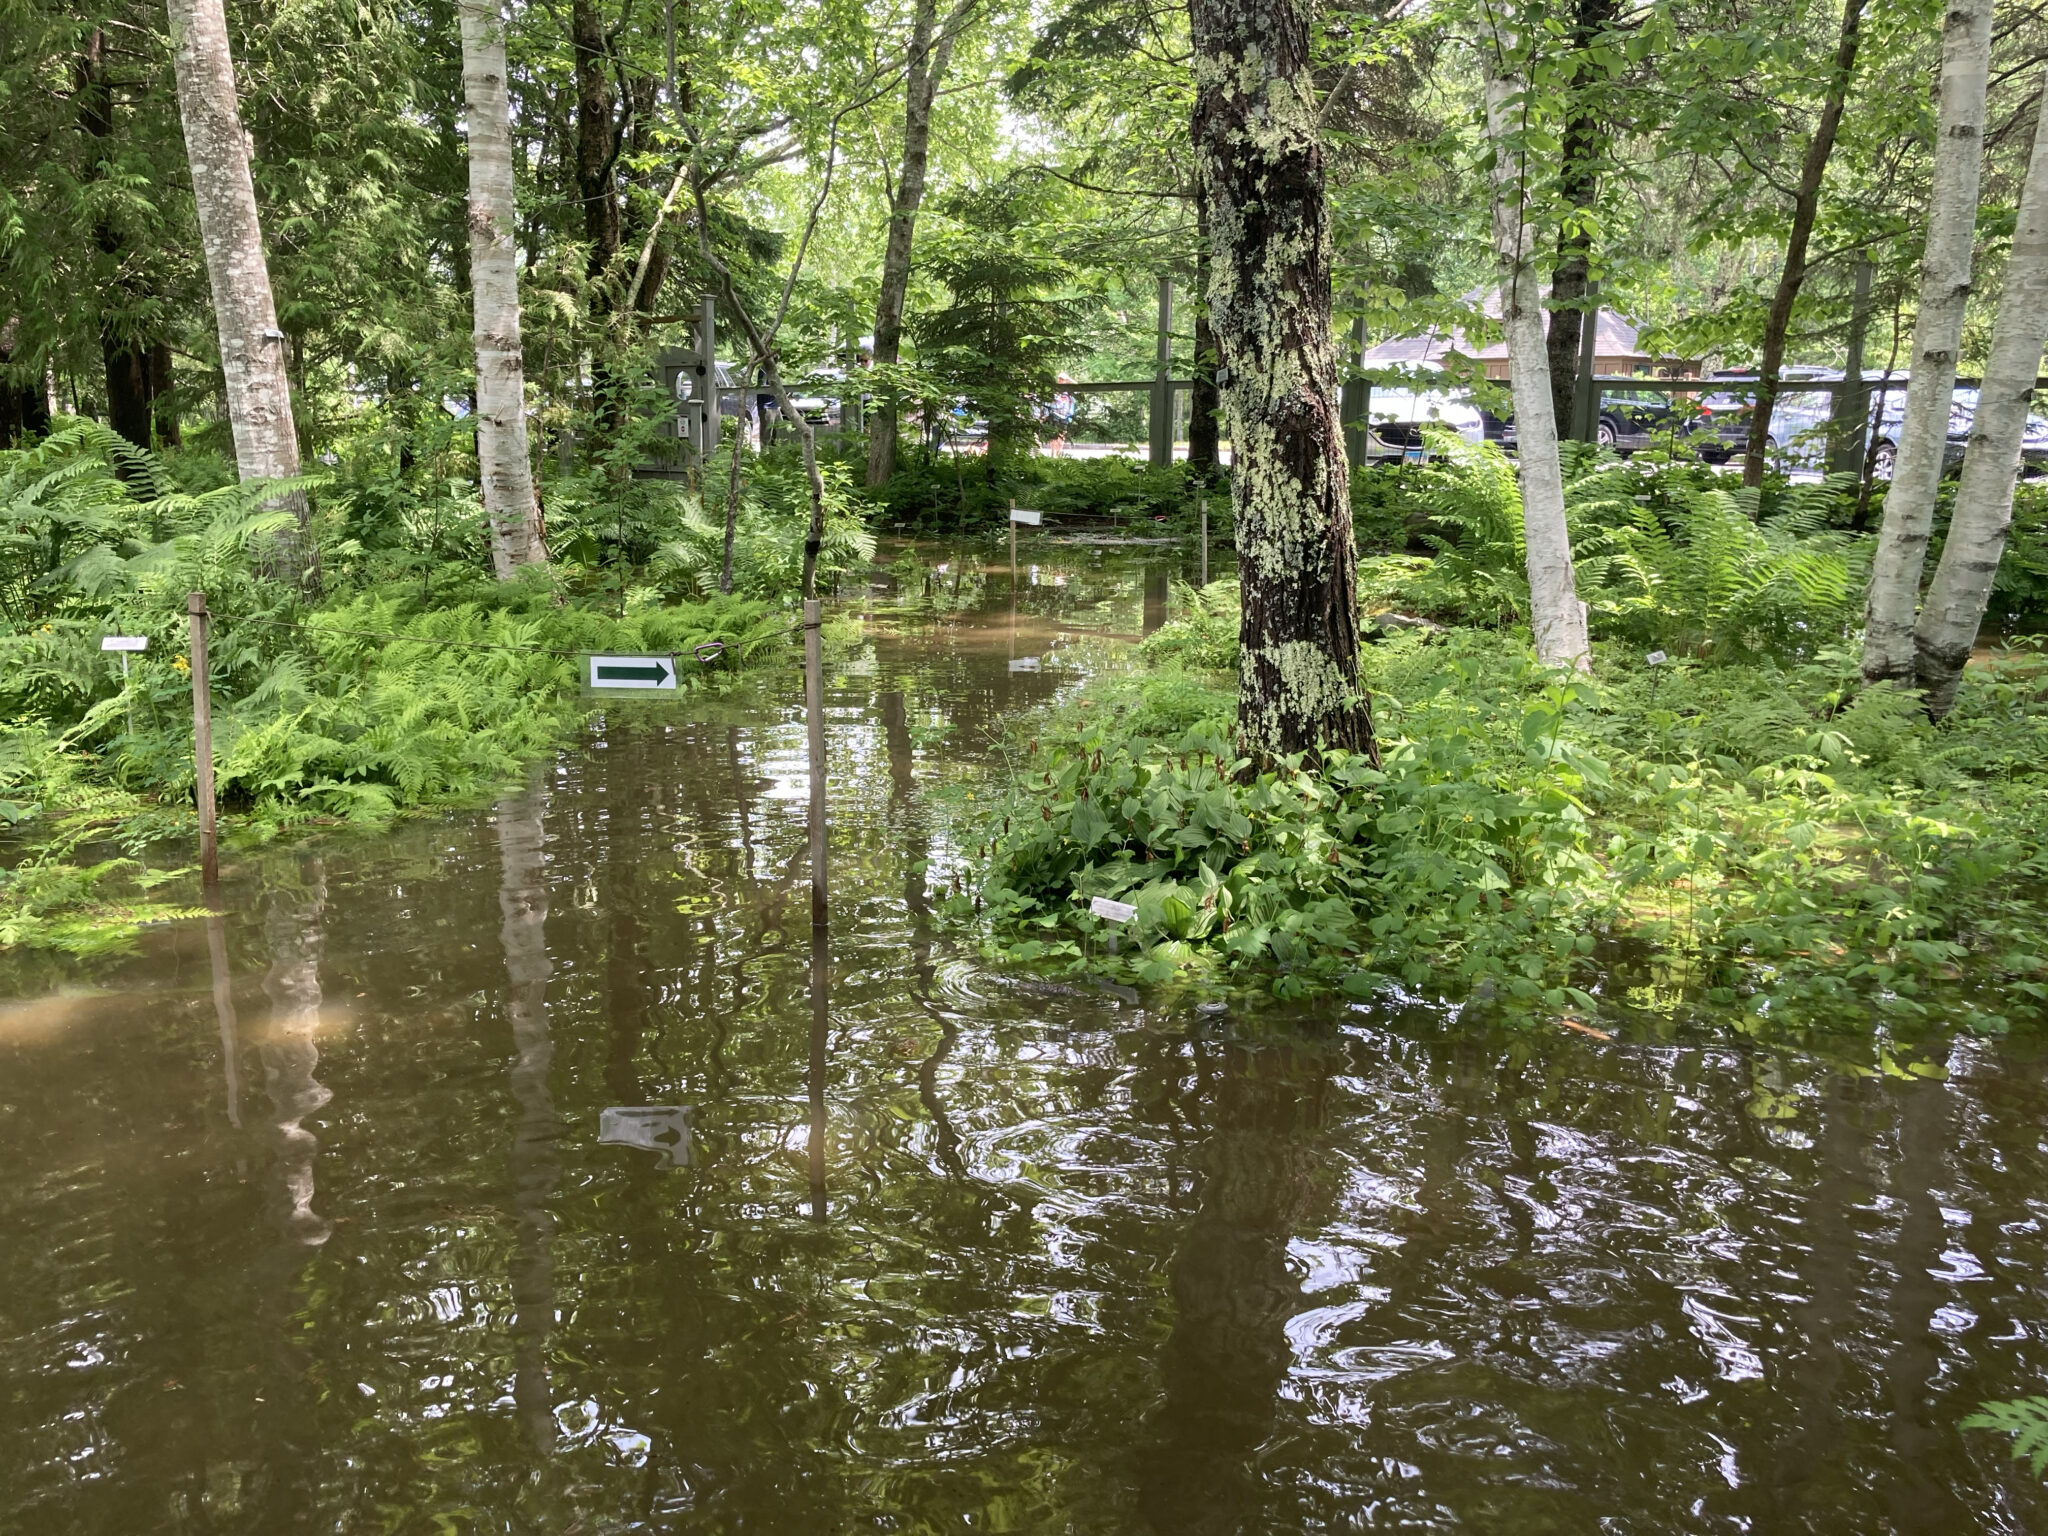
x: 125, y: 643
x: 1028, y: 518
x: 1114, y: 911
x: 650, y: 1127
x: 633, y: 672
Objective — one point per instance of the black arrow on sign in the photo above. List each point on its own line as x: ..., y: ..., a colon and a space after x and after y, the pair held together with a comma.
x: 654, y: 672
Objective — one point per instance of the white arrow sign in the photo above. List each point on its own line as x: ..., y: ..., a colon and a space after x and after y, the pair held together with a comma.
x: 125, y: 643
x: 1029, y: 519
x: 633, y: 672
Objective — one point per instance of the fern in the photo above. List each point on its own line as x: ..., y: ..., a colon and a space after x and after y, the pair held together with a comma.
x: 2026, y: 1420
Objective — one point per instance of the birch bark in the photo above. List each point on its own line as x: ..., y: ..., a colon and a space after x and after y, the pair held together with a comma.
x: 1556, y: 616
x: 1259, y: 153
x: 927, y: 67
x: 1976, y: 536
x: 1937, y: 341
x: 251, y: 345
x: 501, y: 451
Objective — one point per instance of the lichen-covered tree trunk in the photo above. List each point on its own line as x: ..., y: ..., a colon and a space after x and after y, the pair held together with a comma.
x: 1937, y: 342
x: 1556, y: 616
x: 926, y: 68
x: 251, y: 345
x: 1805, y: 209
x: 1976, y: 534
x: 501, y: 451
x: 1259, y: 152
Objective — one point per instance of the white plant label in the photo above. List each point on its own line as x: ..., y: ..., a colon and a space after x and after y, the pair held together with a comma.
x: 1028, y: 519
x: 125, y: 643
x: 1024, y: 664
x: 1114, y: 911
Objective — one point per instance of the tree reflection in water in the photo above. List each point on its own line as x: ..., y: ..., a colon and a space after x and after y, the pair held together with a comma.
x: 536, y: 1162
x: 288, y: 1051
x: 1233, y: 1292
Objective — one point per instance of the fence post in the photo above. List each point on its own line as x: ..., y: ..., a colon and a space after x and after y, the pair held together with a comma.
x: 1160, y: 422
x: 1849, y: 413
x: 1586, y: 398
x: 1353, y: 397
x: 814, y: 719
x: 202, y: 741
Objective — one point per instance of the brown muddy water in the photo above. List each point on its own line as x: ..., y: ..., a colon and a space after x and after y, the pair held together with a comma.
x: 310, y: 1221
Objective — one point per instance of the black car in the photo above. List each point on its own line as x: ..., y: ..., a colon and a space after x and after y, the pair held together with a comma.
x: 1629, y: 420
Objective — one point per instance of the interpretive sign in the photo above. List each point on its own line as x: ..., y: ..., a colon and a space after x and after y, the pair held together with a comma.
x: 633, y: 672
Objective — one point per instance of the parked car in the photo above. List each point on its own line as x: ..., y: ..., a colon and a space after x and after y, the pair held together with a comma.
x: 1889, y: 417
x: 1630, y: 421
x: 1397, y: 419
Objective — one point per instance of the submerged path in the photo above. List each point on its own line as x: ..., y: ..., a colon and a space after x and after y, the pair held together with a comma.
x: 306, y: 1222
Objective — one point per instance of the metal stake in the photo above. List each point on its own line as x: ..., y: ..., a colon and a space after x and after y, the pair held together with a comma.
x: 1205, y: 535
x: 814, y: 718
x: 1013, y: 551
x: 202, y: 740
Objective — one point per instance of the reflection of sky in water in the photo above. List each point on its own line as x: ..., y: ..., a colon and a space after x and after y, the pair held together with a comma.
x: 1081, y: 1263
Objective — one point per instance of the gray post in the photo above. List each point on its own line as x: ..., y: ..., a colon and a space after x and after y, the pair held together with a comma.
x: 1849, y: 417
x: 1160, y: 418
x: 1205, y: 536
x: 1586, y: 398
x: 1354, y: 399
x: 707, y: 372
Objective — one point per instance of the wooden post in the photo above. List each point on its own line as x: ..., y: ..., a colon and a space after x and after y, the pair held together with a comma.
x: 1013, y: 552
x: 1205, y: 536
x: 1586, y: 398
x: 814, y: 717
x: 202, y: 741
x: 1160, y: 424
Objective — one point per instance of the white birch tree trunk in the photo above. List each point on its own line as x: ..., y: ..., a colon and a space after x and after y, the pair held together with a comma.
x: 502, y: 461
x: 1976, y: 536
x: 1556, y: 616
x: 252, y: 351
x: 1937, y: 341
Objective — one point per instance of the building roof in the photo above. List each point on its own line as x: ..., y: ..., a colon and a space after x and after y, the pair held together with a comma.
x: 1613, y: 337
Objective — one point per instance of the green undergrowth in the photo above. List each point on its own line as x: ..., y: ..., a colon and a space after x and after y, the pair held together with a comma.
x: 1761, y: 838
x: 353, y: 707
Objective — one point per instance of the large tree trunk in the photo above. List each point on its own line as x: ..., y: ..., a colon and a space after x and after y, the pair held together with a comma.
x: 1805, y: 206
x: 1578, y: 183
x: 126, y: 359
x: 927, y: 66
x: 1556, y: 616
x: 1259, y: 153
x: 1937, y: 342
x: 163, y: 396
x: 596, y: 160
x: 502, y: 463
x: 1204, y: 434
x: 1976, y: 533
x: 251, y: 345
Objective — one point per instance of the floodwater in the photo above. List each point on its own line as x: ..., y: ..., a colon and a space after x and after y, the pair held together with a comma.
x: 314, y: 1218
